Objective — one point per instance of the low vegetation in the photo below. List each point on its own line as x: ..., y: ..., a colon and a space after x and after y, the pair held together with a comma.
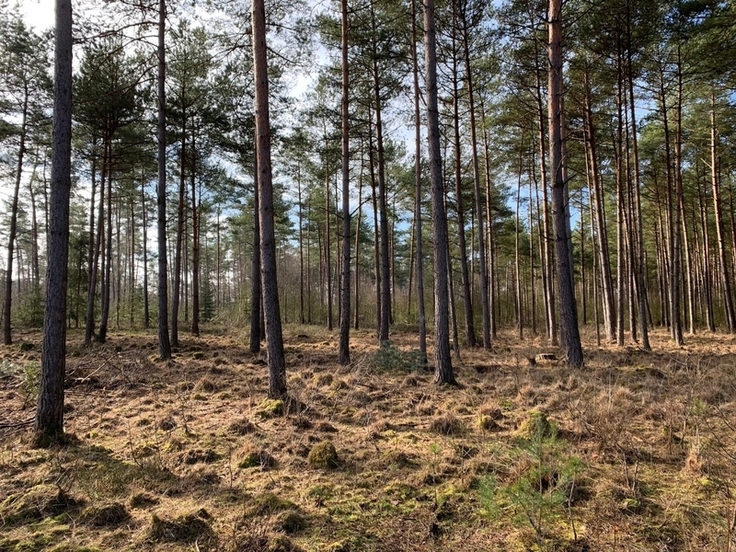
x: 633, y: 452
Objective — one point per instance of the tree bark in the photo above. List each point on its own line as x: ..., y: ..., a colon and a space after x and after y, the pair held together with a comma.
x: 49, y: 422
x: 256, y: 295
x: 567, y: 305
x: 7, y: 333
x: 421, y: 308
x: 344, y: 354
x: 723, y: 261
x: 274, y: 337
x: 443, y: 373
x: 163, y: 300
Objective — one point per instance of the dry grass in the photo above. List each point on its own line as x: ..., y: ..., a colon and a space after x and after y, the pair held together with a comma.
x: 634, y: 452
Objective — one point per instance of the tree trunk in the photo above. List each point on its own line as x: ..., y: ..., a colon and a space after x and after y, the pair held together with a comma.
x: 256, y: 296
x: 146, y: 310
x: 421, y: 308
x: 385, y: 303
x: 344, y: 354
x: 443, y: 363
x: 49, y: 422
x: 460, y: 209
x: 7, y: 333
x: 545, y: 232
x: 485, y: 302
x: 95, y: 247
x: 107, y: 279
x: 641, y: 283
x: 274, y: 337
x: 599, y: 216
x: 195, y: 244
x: 568, y: 309
x: 163, y: 301
x: 723, y: 261
x: 176, y: 295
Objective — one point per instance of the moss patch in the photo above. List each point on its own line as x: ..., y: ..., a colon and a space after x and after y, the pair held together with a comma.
x: 323, y: 455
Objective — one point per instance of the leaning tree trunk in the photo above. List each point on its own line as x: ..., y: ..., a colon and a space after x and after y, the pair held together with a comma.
x: 49, y: 422
x: 567, y: 306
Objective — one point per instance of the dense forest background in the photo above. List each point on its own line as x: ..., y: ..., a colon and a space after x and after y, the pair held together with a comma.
x: 649, y: 127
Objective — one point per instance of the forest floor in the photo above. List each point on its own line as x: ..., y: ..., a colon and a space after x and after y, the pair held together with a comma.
x: 637, y: 451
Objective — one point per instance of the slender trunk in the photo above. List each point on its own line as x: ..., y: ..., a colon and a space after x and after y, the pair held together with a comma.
x: 676, y: 214
x: 301, y: 246
x: 638, y: 217
x: 385, y: 303
x: 421, y: 308
x: 568, y: 309
x: 356, y: 321
x: 443, y: 363
x: 545, y: 231
x: 195, y: 244
x: 7, y: 333
x: 344, y: 355
x: 723, y: 261
x: 599, y: 216
x: 49, y: 421
x: 256, y: 291
x: 106, y: 283
x: 485, y: 302
x: 95, y: 248
x: 459, y: 204
x: 146, y: 310
x: 328, y: 256
x: 163, y: 300
x: 176, y: 295
x: 517, y: 252
x: 274, y: 337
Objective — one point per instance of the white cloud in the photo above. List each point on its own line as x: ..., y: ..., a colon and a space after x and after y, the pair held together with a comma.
x: 38, y: 14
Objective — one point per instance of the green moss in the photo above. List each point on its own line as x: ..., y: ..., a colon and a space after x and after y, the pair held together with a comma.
x: 38, y: 503
x: 270, y: 408
x: 536, y: 426
x: 323, y: 455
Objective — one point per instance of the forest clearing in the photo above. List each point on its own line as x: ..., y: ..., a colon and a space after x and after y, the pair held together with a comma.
x: 635, y: 451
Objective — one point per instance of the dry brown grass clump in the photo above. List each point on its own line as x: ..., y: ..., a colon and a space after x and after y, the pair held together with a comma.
x: 447, y: 424
x: 187, y: 528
